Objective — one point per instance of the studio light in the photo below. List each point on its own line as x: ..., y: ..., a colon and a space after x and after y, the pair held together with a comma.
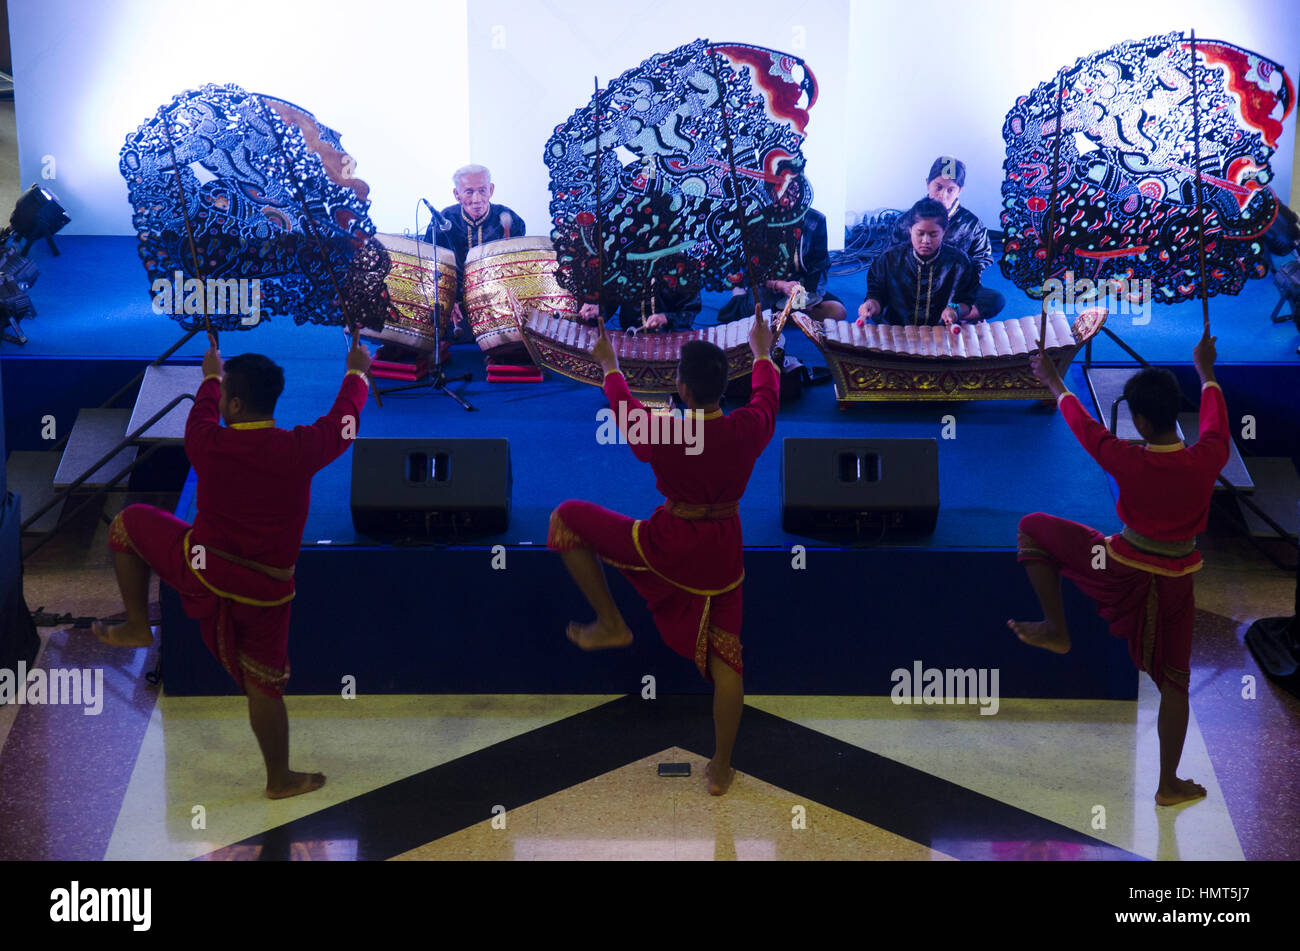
x: 37, y: 215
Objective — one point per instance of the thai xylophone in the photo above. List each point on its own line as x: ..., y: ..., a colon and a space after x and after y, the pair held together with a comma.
x: 648, y: 360
x: 988, y: 360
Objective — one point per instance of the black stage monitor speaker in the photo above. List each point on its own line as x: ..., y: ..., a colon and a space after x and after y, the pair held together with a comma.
x: 1275, y: 642
x: 440, y: 489
x: 871, y: 487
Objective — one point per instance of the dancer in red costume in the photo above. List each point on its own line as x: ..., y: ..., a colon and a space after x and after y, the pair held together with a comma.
x: 686, y: 560
x: 233, y: 568
x: 1141, y: 578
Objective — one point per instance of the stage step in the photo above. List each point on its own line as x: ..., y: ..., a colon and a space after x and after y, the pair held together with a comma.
x: 31, y: 475
x: 160, y: 386
x: 1235, y: 470
x: 1108, y: 386
x: 1277, y: 492
x: 95, y: 433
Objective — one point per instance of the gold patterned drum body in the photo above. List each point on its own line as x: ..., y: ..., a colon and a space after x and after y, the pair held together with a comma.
x: 411, y: 289
x: 525, y: 266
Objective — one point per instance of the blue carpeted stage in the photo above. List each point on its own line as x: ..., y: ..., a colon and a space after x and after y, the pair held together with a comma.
x: 444, y: 619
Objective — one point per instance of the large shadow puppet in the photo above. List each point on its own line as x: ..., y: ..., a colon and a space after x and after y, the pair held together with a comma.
x: 667, y: 205
x: 227, y: 185
x: 1126, y: 182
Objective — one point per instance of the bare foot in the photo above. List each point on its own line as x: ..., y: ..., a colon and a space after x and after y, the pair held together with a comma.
x: 596, y: 636
x: 1041, y: 634
x: 1181, y: 790
x: 295, y: 785
x: 123, y: 635
x: 716, y: 787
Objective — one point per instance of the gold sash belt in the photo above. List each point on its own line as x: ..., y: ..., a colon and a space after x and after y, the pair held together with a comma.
x: 279, y: 574
x: 697, y: 511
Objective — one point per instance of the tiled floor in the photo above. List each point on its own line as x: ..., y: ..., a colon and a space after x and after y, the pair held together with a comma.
x: 633, y: 813
x: 563, y: 777
x: 10, y: 183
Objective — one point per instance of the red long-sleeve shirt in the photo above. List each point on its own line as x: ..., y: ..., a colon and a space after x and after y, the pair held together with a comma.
x: 703, y: 554
x: 1164, y: 491
x: 254, y: 479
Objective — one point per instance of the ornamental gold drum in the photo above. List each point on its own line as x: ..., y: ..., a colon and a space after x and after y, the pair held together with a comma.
x: 415, y: 267
x: 524, y: 266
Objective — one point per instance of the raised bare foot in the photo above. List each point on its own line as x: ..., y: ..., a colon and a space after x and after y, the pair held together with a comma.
x: 1041, y: 634
x: 123, y: 635
x: 596, y: 636
x: 1180, y: 790
x: 718, y: 787
x: 295, y: 785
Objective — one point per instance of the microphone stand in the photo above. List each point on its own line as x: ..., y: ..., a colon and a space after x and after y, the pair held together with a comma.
x: 438, y: 379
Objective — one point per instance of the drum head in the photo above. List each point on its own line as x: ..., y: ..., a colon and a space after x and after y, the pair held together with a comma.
x: 401, y: 244
x: 509, y: 246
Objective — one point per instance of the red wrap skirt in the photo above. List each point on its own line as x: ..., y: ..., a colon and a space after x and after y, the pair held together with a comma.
x: 694, y: 622
x: 243, y: 614
x: 1146, y: 599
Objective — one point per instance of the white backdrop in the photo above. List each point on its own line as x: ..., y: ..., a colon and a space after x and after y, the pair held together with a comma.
x: 88, y: 72
x: 938, y: 77
x: 532, y: 64
x: 420, y: 87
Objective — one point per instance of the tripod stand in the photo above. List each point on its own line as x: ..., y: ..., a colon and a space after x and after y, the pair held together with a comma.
x: 437, y: 380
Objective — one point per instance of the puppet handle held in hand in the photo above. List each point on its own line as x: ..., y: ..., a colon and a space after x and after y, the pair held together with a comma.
x: 760, y: 338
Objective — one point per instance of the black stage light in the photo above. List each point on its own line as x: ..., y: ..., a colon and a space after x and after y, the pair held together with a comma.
x: 37, y: 215
x: 13, y: 265
x: 17, y: 273
x: 15, y: 305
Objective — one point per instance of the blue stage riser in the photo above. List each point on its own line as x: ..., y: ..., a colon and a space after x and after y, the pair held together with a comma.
x: 428, y: 620
x: 37, y: 387
x: 1268, y: 392
x: 442, y: 620
x: 34, y: 387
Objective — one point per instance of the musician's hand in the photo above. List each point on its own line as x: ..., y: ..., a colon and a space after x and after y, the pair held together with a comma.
x: 1045, y: 370
x: 1204, y: 355
x: 604, y: 353
x: 589, y: 313
x: 949, y: 316
x: 760, y: 339
x: 655, y: 321
x: 457, y: 318
x: 869, y: 309
x: 212, y: 359
x: 358, y: 357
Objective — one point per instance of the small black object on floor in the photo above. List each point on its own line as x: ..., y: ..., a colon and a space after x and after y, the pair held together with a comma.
x: 1275, y: 644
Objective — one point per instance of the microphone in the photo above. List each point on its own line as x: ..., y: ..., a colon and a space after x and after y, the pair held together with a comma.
x: 439, y: 221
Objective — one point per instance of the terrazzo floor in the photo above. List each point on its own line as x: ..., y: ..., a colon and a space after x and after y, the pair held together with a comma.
x: 575, y: 777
